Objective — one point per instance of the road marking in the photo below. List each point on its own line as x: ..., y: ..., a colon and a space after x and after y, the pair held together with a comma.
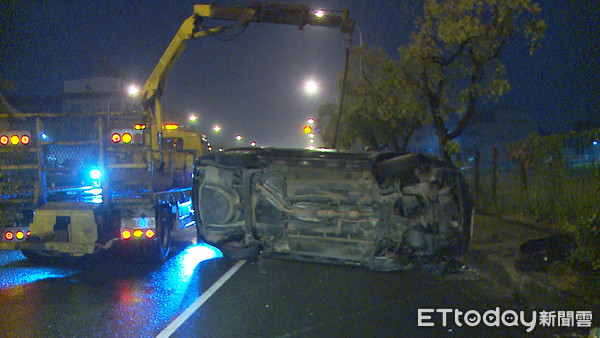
x: 169, y: 330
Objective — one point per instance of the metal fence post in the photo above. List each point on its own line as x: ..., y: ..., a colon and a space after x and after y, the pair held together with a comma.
x: 495, y: 159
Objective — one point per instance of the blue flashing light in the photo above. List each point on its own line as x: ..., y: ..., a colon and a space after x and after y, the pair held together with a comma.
x: 95, y: 174
x: 44, y: 136
x: 595, y: 143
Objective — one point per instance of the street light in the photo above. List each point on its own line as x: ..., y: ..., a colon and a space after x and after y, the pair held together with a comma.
x: 133, y: 90
x: 319, y: 13
x: 311, y: 87
x: 217, y: 128
x: 238, y: 137
x: 193, y: 117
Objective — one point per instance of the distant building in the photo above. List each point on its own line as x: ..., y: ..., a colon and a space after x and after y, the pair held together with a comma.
x: 97, y: 94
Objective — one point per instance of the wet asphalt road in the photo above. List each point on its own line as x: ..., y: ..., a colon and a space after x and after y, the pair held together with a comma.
x: 265, y: 297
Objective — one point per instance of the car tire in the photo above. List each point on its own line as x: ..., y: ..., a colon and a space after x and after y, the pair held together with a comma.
x: 247, y: 159
x: 237, y: 251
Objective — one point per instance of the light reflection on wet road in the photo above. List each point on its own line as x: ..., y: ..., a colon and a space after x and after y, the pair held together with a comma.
x: 265, y: 297
x: 109, y: 297
x: 16, y: 270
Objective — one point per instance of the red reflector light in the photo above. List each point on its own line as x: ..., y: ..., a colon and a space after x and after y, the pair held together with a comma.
x: 137, y: 233
x: 8, y: 235
x: 4, y: 140
x: 149, y: 233
x: 25, y: 139
x: 137, y: 138
x: 126, y: 234
x: 116, y: 138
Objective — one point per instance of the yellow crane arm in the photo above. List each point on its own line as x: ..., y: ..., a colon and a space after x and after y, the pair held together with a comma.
x: 155, y: 85
x: 297, y: 15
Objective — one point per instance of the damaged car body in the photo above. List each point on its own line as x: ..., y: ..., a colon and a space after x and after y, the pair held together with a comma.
x: 379, y: 210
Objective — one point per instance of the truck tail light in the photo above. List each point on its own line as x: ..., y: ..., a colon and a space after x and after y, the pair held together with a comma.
x: 20, y: 235
x: 15, y: 138
x: 138, y: 233
x: 115, y: 138
x: 149, y: 233
x: 126, y: 138
x: 9, y: 235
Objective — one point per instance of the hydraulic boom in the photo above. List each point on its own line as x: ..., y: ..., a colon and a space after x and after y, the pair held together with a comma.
x: 192, y: 28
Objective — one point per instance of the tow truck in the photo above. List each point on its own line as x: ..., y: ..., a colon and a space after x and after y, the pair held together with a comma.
x: 104, y: 181
x: 79, y: 185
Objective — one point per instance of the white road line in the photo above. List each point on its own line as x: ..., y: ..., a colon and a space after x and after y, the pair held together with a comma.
x: 169, y: 330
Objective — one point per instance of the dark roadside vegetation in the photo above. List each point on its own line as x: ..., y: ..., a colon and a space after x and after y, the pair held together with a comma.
x: 551, y: 183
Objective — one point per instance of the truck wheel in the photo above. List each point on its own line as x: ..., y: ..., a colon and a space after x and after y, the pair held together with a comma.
x: 237, y: 251
x: 163, y: 236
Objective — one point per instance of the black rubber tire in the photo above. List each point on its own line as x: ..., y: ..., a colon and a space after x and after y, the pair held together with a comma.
x: 236, y: 251
x: 240, y: 158
x: 162, y: 245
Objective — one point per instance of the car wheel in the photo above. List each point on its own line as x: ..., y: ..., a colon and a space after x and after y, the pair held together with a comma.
x: 238, y: 251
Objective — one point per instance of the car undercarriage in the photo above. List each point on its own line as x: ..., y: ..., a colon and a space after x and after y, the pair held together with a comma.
x: 380, y: 210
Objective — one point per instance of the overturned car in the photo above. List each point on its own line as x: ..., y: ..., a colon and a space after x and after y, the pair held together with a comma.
x: 380, y: 210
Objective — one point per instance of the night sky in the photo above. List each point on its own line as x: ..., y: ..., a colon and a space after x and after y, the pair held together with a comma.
x: 253, y: 84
